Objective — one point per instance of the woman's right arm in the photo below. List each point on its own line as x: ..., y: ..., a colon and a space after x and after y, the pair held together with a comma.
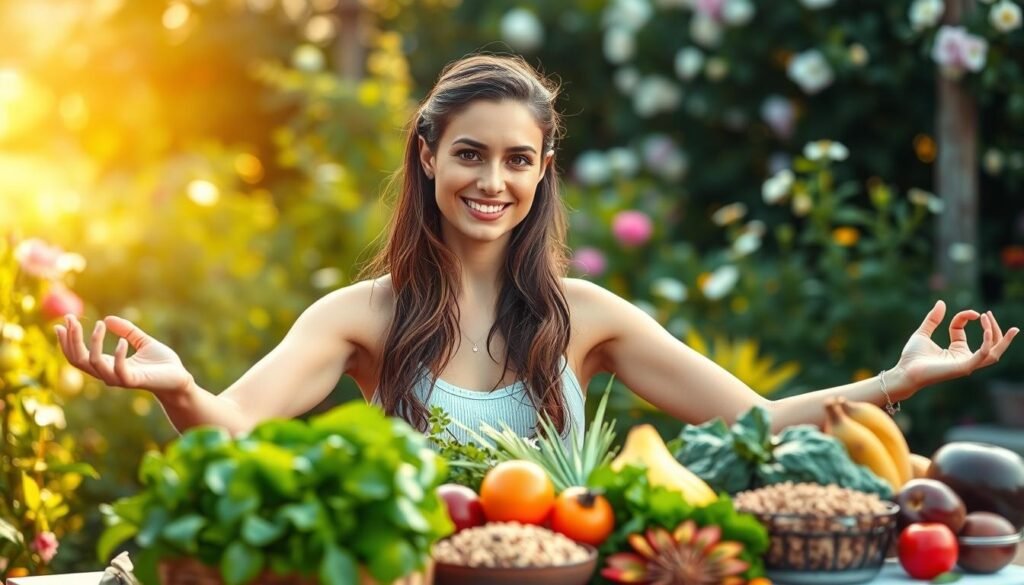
x: 294, y: 377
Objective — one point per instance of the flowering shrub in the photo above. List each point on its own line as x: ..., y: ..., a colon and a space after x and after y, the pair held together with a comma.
x: 39, y: 468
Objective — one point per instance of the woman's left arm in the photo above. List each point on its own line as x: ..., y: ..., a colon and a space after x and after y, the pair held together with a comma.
x: 692, y: 388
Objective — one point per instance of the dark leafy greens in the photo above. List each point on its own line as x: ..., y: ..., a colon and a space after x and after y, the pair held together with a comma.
x: 747, y: 455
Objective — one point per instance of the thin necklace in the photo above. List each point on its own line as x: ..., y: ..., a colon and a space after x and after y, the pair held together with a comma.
x: 476, y: 346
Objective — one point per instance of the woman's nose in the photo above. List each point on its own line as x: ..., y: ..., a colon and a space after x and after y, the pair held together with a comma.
x: 492, y: 180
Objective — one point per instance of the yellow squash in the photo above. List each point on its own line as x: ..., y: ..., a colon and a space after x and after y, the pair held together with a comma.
x: 644, y: 446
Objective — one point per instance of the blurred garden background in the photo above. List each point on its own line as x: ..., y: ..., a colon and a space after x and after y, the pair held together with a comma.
x: 786, y: 186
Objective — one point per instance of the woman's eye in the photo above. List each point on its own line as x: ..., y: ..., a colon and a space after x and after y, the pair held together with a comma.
x: 463, y: 154
x: 522, y: 161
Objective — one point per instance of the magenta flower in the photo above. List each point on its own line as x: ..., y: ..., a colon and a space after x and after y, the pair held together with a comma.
x: 38, y: 258
x: 710, y: 8
x: 60, y: 301
x: 45, y: 544
x: 632, y: 228
x: 589, y: 261
x: 957, y: 51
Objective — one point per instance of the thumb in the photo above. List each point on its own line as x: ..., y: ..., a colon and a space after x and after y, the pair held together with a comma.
x: 125, y: 328
x: 933, y: 319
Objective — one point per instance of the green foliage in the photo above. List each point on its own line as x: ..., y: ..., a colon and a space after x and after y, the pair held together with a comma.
x: 748, y: 456
x: 467, y: 462
x: 351, y: 487
x: 638, y: 505
x: 39, y: 469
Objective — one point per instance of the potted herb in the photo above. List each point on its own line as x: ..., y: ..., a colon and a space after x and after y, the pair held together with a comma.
x: 347, y: 498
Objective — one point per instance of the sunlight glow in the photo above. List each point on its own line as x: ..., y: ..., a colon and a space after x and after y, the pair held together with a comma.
x: 203, y: 193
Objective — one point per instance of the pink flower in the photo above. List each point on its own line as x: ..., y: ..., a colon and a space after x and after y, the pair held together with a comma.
x: 60, y: 301
x: 589, y: 261
x: 38, y: 258
x: 957, y: 51
x: 632, y: 228
x: 45, y: 543
x: 710, y: 8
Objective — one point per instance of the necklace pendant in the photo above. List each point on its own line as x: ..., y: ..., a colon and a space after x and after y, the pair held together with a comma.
x: 475, y: 349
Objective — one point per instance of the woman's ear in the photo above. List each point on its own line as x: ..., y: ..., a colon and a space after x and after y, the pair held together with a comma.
x: 427, y: 159
x: 549, y: 156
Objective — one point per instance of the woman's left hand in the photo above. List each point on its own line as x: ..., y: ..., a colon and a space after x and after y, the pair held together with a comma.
x: 923, y: 362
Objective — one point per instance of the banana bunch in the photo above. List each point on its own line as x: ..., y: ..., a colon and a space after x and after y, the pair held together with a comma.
x: 644, y: 446
x: 872, y: 439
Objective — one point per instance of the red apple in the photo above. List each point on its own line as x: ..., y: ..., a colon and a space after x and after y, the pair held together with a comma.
x: 930, y: 500
x: 463, y: 505
x: 927, y: 550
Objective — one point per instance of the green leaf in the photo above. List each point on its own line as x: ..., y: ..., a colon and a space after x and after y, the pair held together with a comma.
x: 395, y: 559
x: 947, y: 577
x: 113, y: 537
x: 79, y: 468
x: 405, y: 481
x: 30, y: 492
x: 182, y: 532
x: 231, y: 509
x: 259, y: 531
x: 9, y: 533
x: 240, y: 564
x: 367, y: 481
x: 303, y: 516
x: 338, y: 567
x: 218, y: 474
x: 752, y: 433
x: 156, y: 518
x: 405, y: 514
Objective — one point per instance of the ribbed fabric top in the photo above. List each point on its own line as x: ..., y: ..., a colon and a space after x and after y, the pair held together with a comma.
x: 509, y: 405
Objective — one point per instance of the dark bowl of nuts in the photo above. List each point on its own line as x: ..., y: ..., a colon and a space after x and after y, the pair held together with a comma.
x: 822, y: 534
x: 509, y: 553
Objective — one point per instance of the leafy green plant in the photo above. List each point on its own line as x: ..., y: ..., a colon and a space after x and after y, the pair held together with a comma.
x: 349, y: 488
x: 467, y: 462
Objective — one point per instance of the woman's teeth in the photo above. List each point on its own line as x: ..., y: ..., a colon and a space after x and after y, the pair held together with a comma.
x: 484, y: 208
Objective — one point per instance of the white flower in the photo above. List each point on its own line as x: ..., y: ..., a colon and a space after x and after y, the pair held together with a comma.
x: 705, y: 31
x: 592, y: 168
x: 961, y: 252
x: 1005, y: 16
x: 817, y: 4
x: 522, y: 30
x: 629, y: 14
x: 619, y: 45
x: 669, y: 289
x: 689, y: 61
x: 654, y: 95
x: 623, y: 161
x: 721, y: 282
x: 810, y: 71
x: 728, y: 214
x: 775, y: 189
x: 993, y: 161
x: 957, y: 51
x: 780, y: 115
x: 756, y: 227
x: 308, y: 58
x: 664, y: 158
x: 737, y: 12
x: 830, y: 149
x: 925, y: 199
x: 626, y: 79
x: 747, y: 243
x: 925, y: 13
x: 45, y: 415
x: 326, y: 278
x: 858, y: 55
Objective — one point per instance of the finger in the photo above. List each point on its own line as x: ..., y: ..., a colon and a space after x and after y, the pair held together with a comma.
x: 96, y: 358
x: 978, y: 358
x: 125, y: 328
x: 62, y: 333
x: 996, y: 329
x: 959, y: 321
x: 933, y: 319
x: 77, y: 350
x: 999, y: 348
x: 121, y: 362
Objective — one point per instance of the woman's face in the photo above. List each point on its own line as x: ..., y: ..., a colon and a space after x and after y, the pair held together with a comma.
x: 486, y: 169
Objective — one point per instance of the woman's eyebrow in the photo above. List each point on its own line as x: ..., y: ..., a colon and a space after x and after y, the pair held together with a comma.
x: 482, y: 146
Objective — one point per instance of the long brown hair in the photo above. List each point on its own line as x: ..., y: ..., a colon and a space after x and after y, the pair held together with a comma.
x: 532, y: 312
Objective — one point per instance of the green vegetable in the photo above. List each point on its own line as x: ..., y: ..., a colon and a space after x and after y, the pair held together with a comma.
x: 351, y: 487
x: 748, y: 456
x: 467, y: 462
x: 638, y: 506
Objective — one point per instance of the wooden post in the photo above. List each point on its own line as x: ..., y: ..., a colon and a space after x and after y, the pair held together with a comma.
x: 350, y: 42
x: 956, y: 181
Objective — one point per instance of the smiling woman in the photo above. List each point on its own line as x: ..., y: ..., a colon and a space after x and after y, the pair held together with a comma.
x: 476, y: 251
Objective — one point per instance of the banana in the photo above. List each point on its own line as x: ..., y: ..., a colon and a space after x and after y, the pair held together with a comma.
x: 644, y: 446
x: 881, y: 424
x: 864, y: 447
x: 920, y: 464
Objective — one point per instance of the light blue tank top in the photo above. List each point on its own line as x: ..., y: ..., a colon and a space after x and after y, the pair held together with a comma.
x: 509, y: 405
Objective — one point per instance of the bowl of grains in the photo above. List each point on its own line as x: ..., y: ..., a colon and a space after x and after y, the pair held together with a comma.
x: 821, y: 534
x: 510, y: 553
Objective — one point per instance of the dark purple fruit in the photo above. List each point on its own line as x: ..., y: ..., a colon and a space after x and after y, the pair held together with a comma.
x: 986, y: 477
x: 930, y: 500
x: 978, y: 557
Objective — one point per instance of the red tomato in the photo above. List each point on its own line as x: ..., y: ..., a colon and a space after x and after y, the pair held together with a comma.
x: 463, y: 505
x: 583, y: 516
x: 927, y: 550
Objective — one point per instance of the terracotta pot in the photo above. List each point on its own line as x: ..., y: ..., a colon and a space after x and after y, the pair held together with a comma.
x: 192, y: 572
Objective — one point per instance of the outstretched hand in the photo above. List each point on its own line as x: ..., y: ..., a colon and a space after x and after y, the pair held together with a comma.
x: 153, y: 366
x: 923, y: 362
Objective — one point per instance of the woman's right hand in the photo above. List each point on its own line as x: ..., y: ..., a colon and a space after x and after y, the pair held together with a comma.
x: 153, y: 366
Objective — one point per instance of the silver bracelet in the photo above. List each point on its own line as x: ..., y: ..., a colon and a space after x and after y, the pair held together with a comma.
x: 891, y: 408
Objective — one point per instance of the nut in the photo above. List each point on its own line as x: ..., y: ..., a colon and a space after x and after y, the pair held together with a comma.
x: 508, y: 544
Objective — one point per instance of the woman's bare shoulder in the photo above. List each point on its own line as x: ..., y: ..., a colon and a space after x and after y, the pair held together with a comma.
x: 362, y: 309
